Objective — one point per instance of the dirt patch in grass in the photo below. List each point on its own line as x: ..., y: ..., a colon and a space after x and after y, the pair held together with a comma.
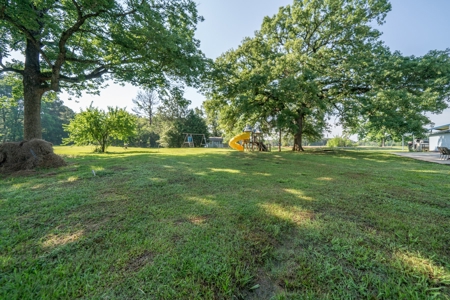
x: 49, y: 174
x: 180, y: 222
x: 23, y: 173
x: 263, y: 288
x: 304, y: 216
x: 199, y: 219
x: 95, y: 224
x: 55, y: 240
x: 196, y: 220
x: 140, y: 261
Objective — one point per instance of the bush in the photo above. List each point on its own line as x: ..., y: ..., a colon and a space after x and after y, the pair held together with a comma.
x: 339, y: 141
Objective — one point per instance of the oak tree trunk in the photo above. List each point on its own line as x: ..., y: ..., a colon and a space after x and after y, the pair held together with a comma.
x: 299, y: 135
x: 32, y: 93
x: 279, y: 141
x: 5, y: 127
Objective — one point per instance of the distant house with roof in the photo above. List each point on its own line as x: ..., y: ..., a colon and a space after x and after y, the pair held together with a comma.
x: 439, y: 137
x: 216, y: 142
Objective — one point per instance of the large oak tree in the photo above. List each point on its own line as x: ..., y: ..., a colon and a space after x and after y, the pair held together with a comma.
x: 320, y: 58
x: 78, y: 44
x: 290, y: 71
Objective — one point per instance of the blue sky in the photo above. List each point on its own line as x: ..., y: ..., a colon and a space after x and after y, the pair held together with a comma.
x: 413, y: 27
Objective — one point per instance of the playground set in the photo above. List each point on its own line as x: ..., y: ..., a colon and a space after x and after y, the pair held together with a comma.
x: 250, y: 140
x: 189, y: 140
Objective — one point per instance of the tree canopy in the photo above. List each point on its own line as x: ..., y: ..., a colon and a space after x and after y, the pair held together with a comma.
x: 403, y: 89
x: 97, y: 127
x: 76, y: 45
x: 315, y: 59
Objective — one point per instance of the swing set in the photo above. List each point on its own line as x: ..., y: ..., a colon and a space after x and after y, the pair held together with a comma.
x: 189, y: 140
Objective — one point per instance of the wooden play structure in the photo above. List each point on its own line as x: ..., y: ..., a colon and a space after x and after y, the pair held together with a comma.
x: 250, y: 140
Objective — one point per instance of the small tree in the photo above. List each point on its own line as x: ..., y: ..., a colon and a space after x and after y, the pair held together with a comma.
x: 94, y: 126
x: 340, y: 141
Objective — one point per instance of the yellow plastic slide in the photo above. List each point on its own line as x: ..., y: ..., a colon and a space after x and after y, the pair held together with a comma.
x: 234, y: 141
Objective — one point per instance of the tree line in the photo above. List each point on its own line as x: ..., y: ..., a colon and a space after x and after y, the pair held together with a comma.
x: 54, y: 114
x: 312, y: 62
x: 159, y: 118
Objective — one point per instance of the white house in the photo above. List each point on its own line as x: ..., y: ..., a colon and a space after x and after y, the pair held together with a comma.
x: 215, y: 142
x: 439, y: 137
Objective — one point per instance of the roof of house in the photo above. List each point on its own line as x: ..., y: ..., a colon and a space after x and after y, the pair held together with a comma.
x: 442, y: 127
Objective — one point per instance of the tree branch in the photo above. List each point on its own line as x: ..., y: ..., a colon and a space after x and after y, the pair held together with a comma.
x: 20, y: 27
x: 97, y: 73
x: 65, y: 35
x: 5, y: 69
x: 83, y: 61
x: 27, y: 33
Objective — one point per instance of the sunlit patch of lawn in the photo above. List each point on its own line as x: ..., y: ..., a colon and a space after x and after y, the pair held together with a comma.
x: 219, y: 224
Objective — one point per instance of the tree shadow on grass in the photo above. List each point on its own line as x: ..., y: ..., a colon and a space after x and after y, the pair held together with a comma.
x: 249, y: 225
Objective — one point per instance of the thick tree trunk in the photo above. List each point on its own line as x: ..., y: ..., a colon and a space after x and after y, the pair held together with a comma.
x: 32, y: 93
x: 299, y: 135
x: 5, y: 128
x: 279, y: 142
x: 32, y: 114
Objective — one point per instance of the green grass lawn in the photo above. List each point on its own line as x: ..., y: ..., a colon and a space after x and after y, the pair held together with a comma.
x: 221, y: 224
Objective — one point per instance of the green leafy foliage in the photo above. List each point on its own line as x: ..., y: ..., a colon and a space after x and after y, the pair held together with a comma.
x: 11, y: 111
x: 298, y: 67
x: 320, y: 59
x: 403, y: 89
x: 54, y: 116
x: 146, y: 135
x: 174, y: 119
x: 340, y: 141
x: 212, y: 119
x: 173, y: 136
x: 53, y: 113
x: 76, y: 45
x: 97, y: 127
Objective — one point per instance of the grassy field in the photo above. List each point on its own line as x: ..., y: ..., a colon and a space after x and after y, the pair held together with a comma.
x: 220, y: 224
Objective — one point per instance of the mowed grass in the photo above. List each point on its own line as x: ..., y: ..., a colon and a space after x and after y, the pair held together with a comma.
x: 221, y: 224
